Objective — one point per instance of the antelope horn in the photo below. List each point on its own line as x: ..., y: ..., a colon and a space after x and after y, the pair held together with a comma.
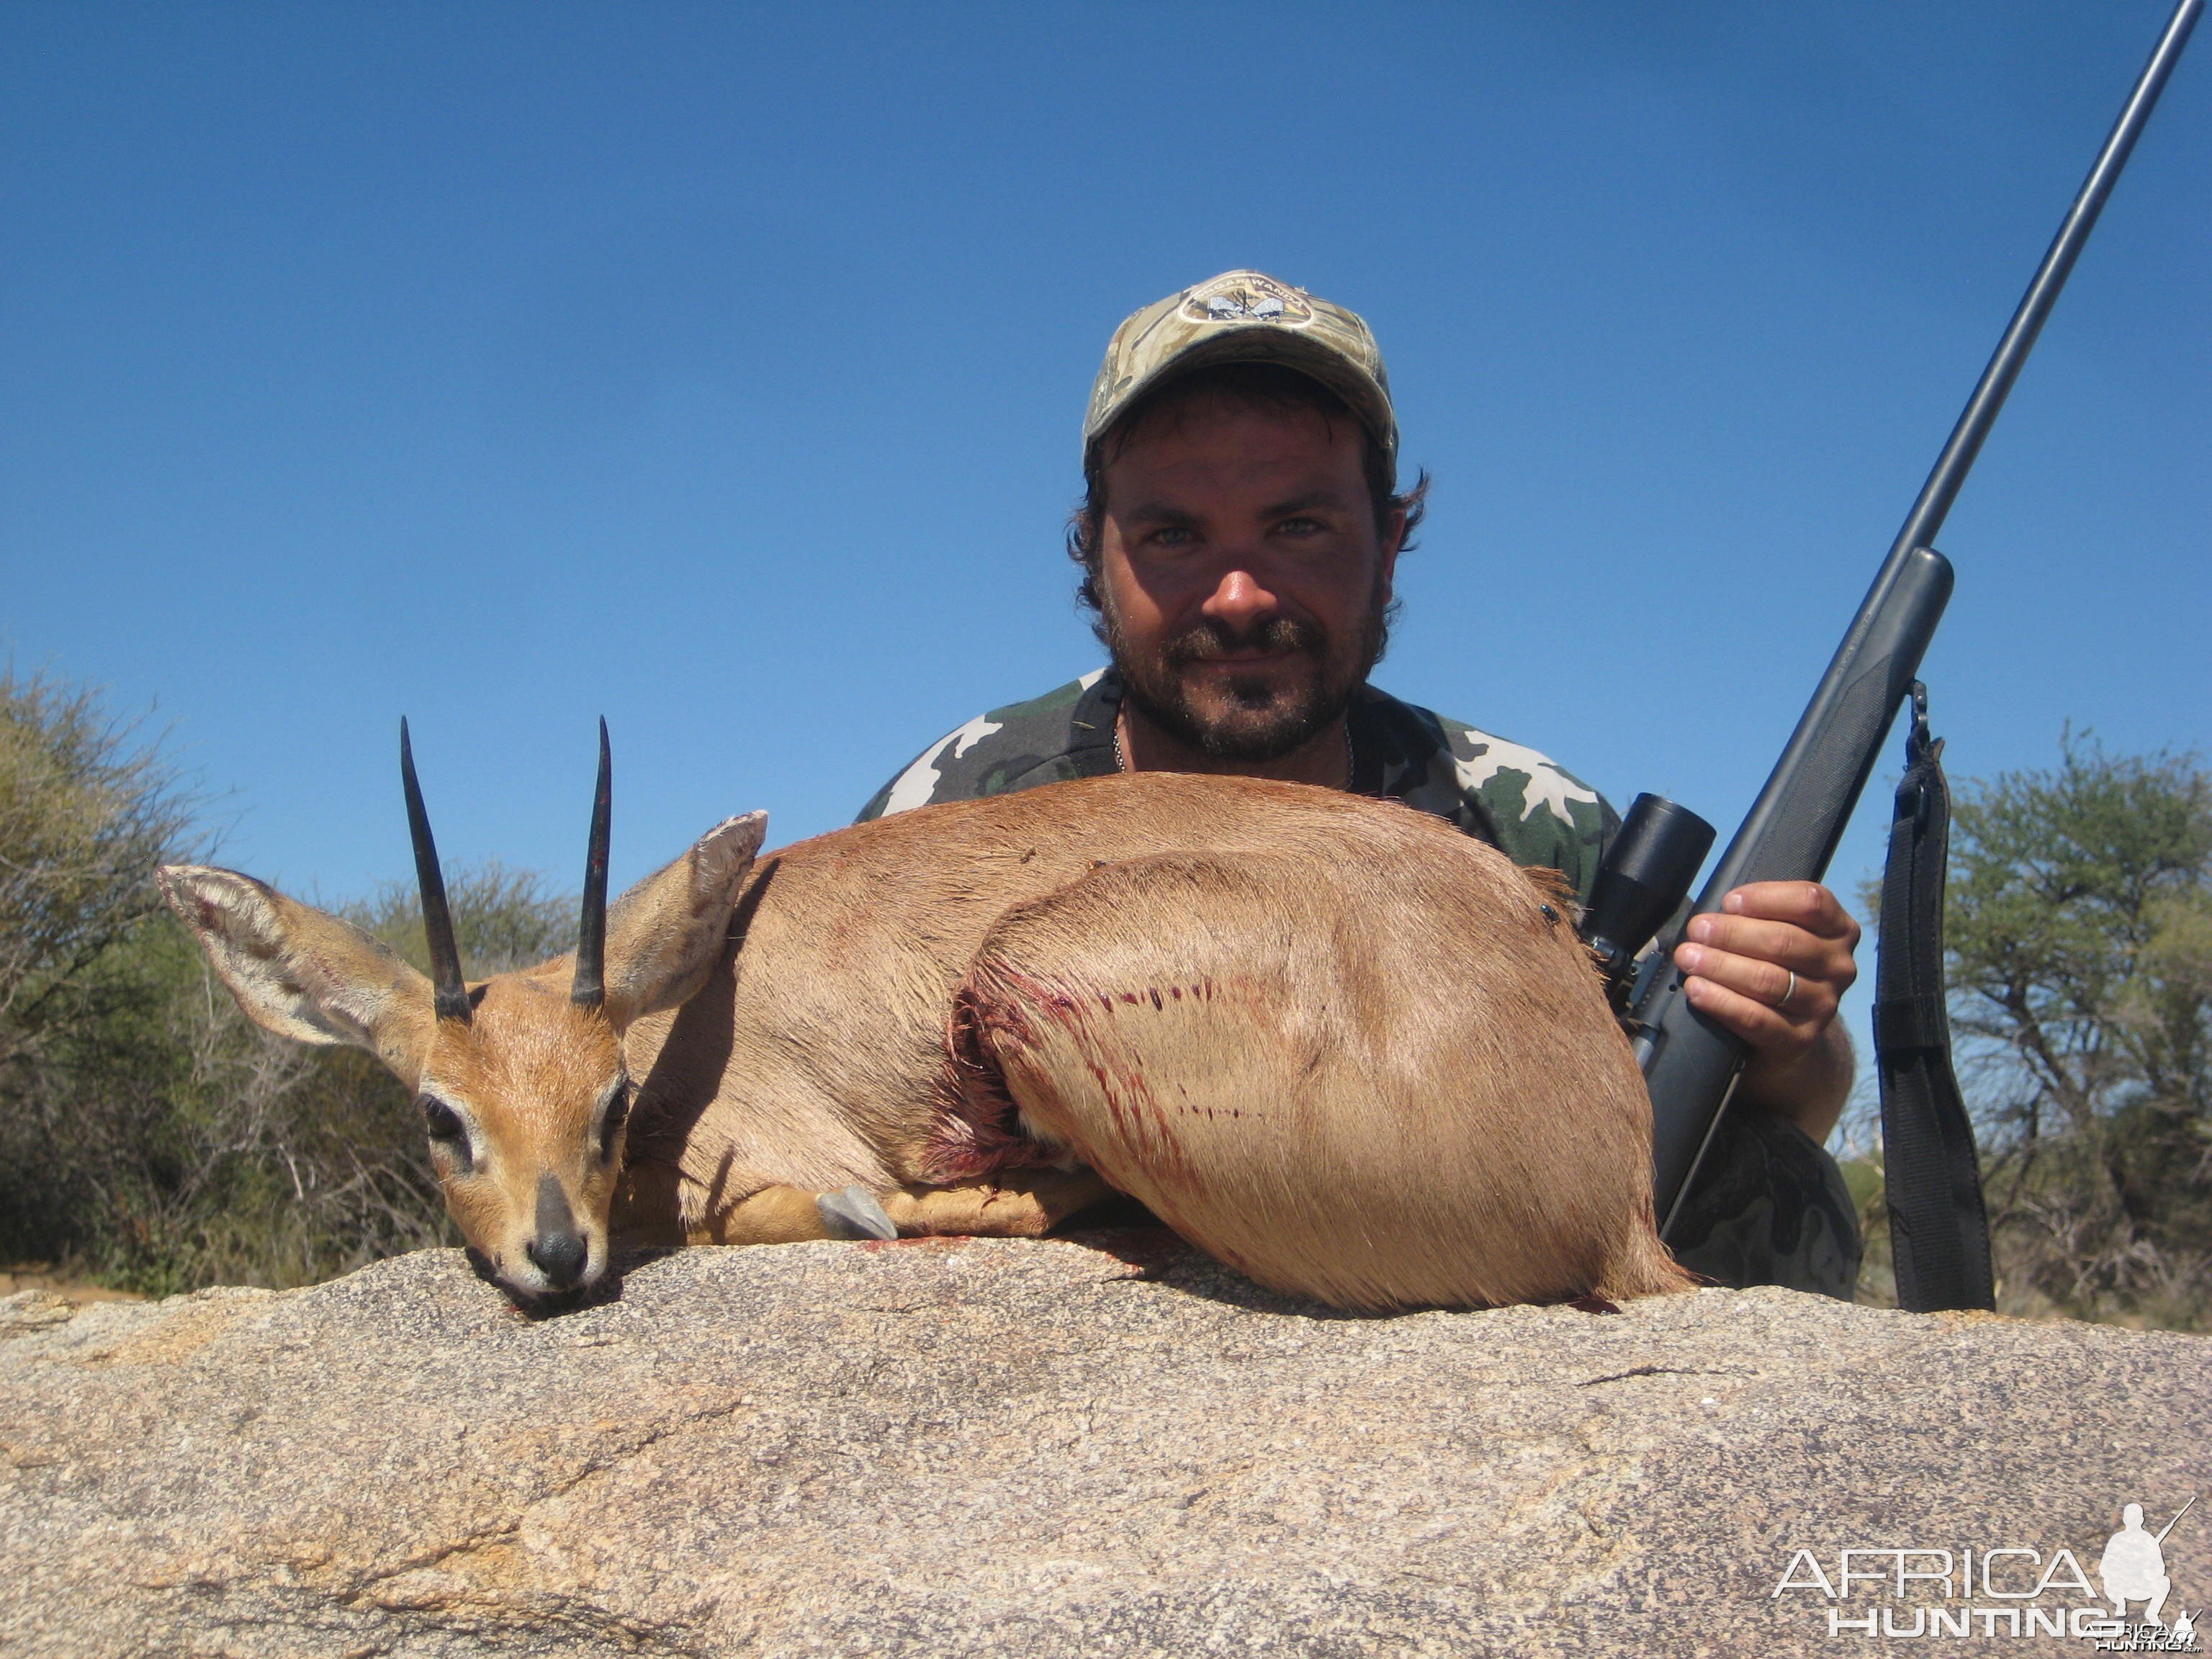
x: 437, y: 921
x: 590, y: 987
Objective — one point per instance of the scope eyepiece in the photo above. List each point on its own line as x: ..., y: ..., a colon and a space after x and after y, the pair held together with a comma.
x: 1646, y: 876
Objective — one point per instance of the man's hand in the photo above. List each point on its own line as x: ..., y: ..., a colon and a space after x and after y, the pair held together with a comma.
x: 1740, y: 962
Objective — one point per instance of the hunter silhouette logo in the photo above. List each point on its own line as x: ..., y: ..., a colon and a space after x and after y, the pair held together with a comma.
x: 2133, y: 1569
x: 2003, y: 1590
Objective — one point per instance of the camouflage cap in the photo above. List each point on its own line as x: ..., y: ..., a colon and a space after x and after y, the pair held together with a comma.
x: 1244, y: 317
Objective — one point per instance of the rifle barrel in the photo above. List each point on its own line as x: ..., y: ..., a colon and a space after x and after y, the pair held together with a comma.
x: 1925, y: 521
x: 1926, y: 518
x: 1792, y: 829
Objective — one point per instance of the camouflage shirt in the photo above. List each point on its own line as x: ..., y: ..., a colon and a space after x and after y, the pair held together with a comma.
x: 1529, y: 807
x: 1770, y: 1206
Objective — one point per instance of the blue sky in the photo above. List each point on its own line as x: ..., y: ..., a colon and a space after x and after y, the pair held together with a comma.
x: 718, y: 370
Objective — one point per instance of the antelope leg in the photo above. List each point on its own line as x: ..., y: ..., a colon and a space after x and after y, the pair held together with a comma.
x: 774, y: 1215
x: 1017, y: 1203
x: 1022, y: 1203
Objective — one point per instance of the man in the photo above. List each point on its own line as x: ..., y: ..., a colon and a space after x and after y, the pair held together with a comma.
x: 2133, y: 1567
x: 1238, y: 534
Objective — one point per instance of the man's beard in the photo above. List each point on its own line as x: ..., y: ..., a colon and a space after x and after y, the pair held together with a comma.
x: 1264, y: 719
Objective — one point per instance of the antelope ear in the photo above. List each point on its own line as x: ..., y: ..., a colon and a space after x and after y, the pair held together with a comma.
x: 666, y: 933
x: 302, y: 972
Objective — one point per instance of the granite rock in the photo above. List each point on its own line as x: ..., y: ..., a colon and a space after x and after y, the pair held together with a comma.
x: 1096, y: 1447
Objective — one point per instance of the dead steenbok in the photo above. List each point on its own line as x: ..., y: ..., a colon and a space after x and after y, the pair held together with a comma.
x: 1329, y: 1040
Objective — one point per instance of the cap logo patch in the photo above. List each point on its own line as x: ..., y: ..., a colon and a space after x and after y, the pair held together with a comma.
x: 1248, y: 300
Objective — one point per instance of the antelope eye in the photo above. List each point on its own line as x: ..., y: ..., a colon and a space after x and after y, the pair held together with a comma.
x: 610, y: 1124
x: 445, y: 1126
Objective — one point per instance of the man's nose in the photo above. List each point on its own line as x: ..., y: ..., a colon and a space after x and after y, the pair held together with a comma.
x: 1239, y: 603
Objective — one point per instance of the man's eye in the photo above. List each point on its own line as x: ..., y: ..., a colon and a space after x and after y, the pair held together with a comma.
x: 1301, y: 526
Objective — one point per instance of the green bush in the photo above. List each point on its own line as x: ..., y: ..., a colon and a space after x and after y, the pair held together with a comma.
x: 86, y: 813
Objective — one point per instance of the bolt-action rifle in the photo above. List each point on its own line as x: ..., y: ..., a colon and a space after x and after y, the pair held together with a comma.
x: 1689, y: 1063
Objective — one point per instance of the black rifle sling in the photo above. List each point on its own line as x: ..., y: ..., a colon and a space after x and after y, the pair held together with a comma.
x: 1939, y: 1232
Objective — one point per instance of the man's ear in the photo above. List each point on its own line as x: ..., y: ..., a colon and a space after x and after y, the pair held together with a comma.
x: 666, y: 933
x: 301, y: 972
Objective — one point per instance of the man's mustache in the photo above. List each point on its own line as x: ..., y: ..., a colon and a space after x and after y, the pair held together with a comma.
x: 1210, y: 640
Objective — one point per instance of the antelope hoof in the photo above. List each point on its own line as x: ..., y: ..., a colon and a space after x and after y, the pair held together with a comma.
x: 854, y: 1212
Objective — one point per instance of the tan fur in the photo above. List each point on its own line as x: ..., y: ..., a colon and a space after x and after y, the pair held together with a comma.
x: 1252, y: 1067
x: 1020, y: 1204
x: 1330, y: 1039
x: 530, y: 1072
x: 1437, y: 1106
x: 775, y: 1215
x: 530, y: 1069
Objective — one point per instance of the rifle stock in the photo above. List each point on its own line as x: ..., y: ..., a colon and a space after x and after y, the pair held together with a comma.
x: 1690, y: 1064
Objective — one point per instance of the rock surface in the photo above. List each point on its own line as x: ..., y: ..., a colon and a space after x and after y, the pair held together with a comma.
x: 1105, y: 1447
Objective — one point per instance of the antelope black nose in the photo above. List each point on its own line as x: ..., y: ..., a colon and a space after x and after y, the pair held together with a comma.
x: 559, y: 1250
x: 560, y: 1257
